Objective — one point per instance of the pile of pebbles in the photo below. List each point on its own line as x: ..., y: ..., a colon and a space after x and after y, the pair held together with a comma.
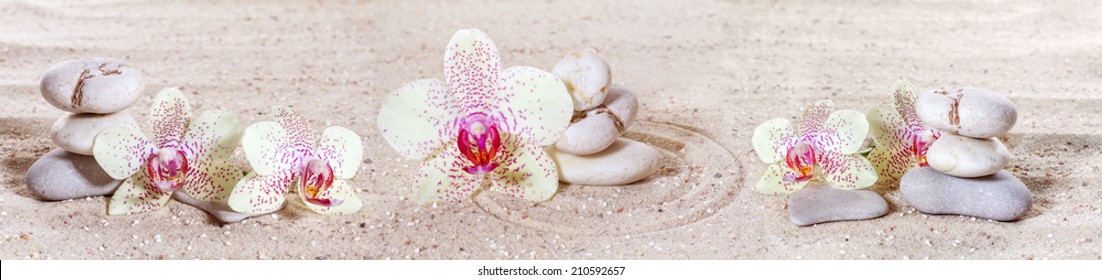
x: 591, y: 151
x: 965, y: 174
x: 96, y: 92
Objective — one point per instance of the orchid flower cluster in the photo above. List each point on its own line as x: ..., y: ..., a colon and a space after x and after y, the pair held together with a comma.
x: 191, y: 154
x: 480, y: 126
x: 825, y: 144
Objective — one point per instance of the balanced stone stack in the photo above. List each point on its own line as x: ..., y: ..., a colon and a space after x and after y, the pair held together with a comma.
x: 965, y: 174
x: 95, y: 91
x: 591, y: 151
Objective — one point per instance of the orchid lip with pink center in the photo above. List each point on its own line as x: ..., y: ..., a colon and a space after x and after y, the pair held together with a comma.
x: 480, y: 142
x: 168, y: 169
x: 314, y: 180
x: 921, y: 142
x: 801, y: 158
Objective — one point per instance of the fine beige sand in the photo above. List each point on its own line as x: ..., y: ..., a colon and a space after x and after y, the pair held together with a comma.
x: 706, y: 73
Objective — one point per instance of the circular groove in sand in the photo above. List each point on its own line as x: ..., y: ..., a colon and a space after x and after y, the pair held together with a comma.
x: 685, y: 190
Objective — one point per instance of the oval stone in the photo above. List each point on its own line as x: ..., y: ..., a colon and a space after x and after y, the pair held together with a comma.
x: 821, y: 203
x: 598, y: 128
x: 219, y: 209
x: 77, y: 132
x: 61, y: 175
x: 999, y: 197
x: 587, y: 77
x: 92, y: 85
x: 624, y: 162
x: 967, y: 157
x: 971, y: 112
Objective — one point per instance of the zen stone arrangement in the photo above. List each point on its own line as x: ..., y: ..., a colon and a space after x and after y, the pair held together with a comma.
x: 96, y: 92
x: 966, y: 175
x: 591, y: 152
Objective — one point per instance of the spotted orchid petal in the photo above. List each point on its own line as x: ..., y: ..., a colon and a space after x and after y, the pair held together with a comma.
x: 444, y: 178
x: 847, y: 171
x: 122, y: 149
x: 778, y: 179
x: 843, y: 132
x: 259, y: 193
x: 534, y: 104
x: 340, y: 191
x: 137, y: 195
x: 471, y: 69
x: 212, y: 136
x: 814, y: 117
x: 890, y: 164
x: 904, y: 96
x: 772, y: 139
x: 419, y: 118
x: 268, y: 148
x: 169, y: 117
x: 525, y: 171
x: 211, y: 181
x: 342, y: 149
x: 296, y: 127
x: 891, y: 157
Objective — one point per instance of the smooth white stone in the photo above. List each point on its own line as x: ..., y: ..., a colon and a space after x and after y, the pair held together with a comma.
x: 821, y: 203
x: 999, y: 197
x: 61, y: 175
x: 967, y: 157
x: 587, y: 77
x: 624, y: 162
x: 598, y: 129
x: 76, y: 133
x: 971, y: 112
x: 219, y: 209
x: 107, y: 85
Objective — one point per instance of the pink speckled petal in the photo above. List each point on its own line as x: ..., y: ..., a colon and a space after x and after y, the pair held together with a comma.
x: 260, y: 194
x: 776, y: 180
x: 212, y: 136
x: 847, y: 171
x: 443, y: 178
x: 772, y: 140
x: 892, y: 155
x: 297, y: 128
x: 904, y: 96
x: 211, y: 181
x: 122, y: 149
x: 417, y: 119
x: 137, y: 195
x: 886, y: 127
x: 268, y: 148
x: 169, y: 117
x: 343, y: 149
x: 341, y: 190
x: 891, y: 162
x: 534, y: 105
x: 843, y: 132
x: 471, y: 68
x: 525, y: 171
x: 814, y: 117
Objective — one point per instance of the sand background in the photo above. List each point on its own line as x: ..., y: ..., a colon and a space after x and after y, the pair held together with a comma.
x: 706, y: 73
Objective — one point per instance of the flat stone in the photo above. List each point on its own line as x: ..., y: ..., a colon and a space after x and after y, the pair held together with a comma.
x: 598, y: 128
x: 61, y: 175
x: 967, y: 157
x: 999, y: 197
x: 587, y: 77
x: 822, y: 203
x: 219, y: 209
x: 92, y: 85
x: 624, y: 162
x: 77, y: 132
x: 971, y: 112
